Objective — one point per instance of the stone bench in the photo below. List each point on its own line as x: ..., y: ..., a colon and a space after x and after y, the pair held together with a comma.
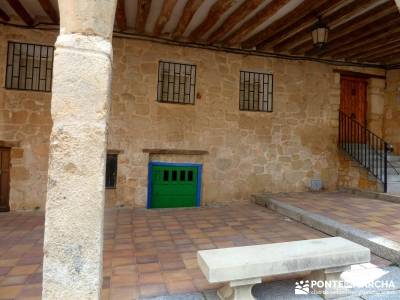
x: 244, y: 267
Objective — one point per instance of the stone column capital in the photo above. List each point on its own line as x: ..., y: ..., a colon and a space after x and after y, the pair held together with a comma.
x: 89, y: 17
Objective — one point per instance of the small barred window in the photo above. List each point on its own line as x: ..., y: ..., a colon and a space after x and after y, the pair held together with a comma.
x: 176, y: 83
x: 29, y: 67
x: 256, y: 91
x: 111, y: 171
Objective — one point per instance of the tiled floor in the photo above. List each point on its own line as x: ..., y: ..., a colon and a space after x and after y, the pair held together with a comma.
x: 376, y: 216
x: 146, y: 252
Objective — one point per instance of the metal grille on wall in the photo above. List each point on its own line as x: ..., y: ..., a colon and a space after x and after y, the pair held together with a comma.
x: 256, y: 91
x: 29, y: 67
x: 111, y: 170
x: 176, y: 83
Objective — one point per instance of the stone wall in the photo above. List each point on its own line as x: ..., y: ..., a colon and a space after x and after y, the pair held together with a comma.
x: 248, y: 152
x: 392, y: 109
x: 25, y: 121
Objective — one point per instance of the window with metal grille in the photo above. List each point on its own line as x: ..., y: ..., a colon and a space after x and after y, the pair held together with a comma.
x: 111, y: 171
x: 256, y: 91
x: 29, y: 67
x: 176, y: 83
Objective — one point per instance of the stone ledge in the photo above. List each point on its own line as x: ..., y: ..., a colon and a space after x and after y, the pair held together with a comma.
x: 378, y: 245
x: 175, y: 151
x: 372, y: 195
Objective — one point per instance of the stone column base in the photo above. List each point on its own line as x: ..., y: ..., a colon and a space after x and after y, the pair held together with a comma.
x: 238, y: 290
x: 328, y: 283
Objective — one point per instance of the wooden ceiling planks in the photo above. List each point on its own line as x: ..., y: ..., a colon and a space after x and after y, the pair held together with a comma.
x: 216, y: 11
x: 189, y: 10
x: 165, y: 14
x: 266, y: 12
x: 21, y: 12
x: 49, y: 10
x: 120, y: 15
x: 333, y: 18
x: 359, y: 30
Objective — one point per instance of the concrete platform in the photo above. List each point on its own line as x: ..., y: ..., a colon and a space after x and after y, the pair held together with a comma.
x: 378, y: 244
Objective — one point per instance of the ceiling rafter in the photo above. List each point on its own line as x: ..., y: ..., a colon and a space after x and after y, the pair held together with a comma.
x: 21, y: 12
x: 143, y: 10
x: 390, y: 58
x: 299, y: 12
x: 333, y: 18
x: 372, y: 29
x: 381, y: 52
x: 165, y: 14
x: 349, y: 26
x: 189, y: 10
x: 120, y: 15
x: 368, y: 46
x: 49, y: 10
x: 215, y: 12
x: 239, y: 14
x: 4, y: 16
x: 269, y: 10
x: 293, y: 28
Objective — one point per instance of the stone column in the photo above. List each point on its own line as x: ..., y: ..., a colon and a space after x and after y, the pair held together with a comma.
x: 73, y: 242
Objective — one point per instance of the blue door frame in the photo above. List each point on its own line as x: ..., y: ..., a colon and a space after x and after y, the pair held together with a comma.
x: 159, y: 163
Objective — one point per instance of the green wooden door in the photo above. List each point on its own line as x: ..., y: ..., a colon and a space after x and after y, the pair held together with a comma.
x: 173, y: 186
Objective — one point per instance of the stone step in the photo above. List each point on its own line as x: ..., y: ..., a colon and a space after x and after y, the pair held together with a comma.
x: 394, y: 188
x: 390, y: 171
x: 393, y: 178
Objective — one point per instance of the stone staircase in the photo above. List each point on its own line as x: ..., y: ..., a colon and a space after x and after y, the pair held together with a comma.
x: 372, y: 160
x: 393, y: 174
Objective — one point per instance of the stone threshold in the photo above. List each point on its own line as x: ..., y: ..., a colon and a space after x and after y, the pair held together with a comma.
x: 378, y: 245
x: 372, y: 195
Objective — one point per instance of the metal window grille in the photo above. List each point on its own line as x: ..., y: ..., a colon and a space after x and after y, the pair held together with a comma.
x: 111, y: 170
x: 256, y: 91
x: 29, y: 67
x: 176, y: 83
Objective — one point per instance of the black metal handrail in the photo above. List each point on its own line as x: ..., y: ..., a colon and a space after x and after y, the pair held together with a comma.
x: 368, y: 149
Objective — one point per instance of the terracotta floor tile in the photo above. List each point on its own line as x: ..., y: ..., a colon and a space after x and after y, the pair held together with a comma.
x: 153, y: 290
x: 14, y: 280
x: 180, y: 287
x: 124, y: 280
x: 10, y: 292
x: 150, y: 278
x: 124, y: 293
x: 153, y: 252
x: 151, y: 267
x: 23, y: 270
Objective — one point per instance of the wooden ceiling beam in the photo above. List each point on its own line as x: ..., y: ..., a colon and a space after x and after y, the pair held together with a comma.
x: 346, y: 27
x: 50, y: 11
x: 143, y: 10
x: 269, y: 10
x: 297, y: 13
x: 189, y: 10
x: 335, y: 17
x: 4, y: 16
x: 216, y: 11
x: 307, y: 21
x: 165, y: 14
x: 380, y: 25
x: 381, y: 53
x: 21, y: 12
x: 120, y: 15
x: 238, y: 15
x: 369, y: 46
x: 390, y: 58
